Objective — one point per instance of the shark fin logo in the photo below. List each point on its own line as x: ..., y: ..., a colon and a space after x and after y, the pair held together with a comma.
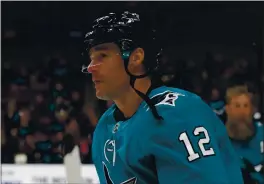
x: 110, y: 181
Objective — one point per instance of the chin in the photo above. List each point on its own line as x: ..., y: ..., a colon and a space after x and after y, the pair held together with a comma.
x: 102, y: 96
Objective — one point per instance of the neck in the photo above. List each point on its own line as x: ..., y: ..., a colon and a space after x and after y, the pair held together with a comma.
x: 129, y: 102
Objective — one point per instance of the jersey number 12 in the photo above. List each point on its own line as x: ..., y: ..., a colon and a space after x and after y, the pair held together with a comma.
x: 206, y: 140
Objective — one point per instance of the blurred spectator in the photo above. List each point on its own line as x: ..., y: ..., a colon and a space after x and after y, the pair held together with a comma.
x: 59, y: 100
x: 59, y: 90
x: 73, y: 129
x: 19, y: 86
x: 7, y: 74
x: 11, y: 108
x: 39, y: 105
x: 90, y: 115
x: 24, y: 132
x: 39, y: 99
x: 58, y: 67
x: 76, y: 101
x: 9, y: 146
x: 56, y: 137
x: 244, y: 71
x: 39, y: 81
x: 82, y: 127
x: 214, y: 64
x: 49, y: 136
x: 13, y: 91
x: 170, y: 72
x: 62, y: 113
x: 22, y: 78
x: 215, y: 100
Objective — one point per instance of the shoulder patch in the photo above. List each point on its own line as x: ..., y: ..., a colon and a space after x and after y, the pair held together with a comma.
x: 165, y: 98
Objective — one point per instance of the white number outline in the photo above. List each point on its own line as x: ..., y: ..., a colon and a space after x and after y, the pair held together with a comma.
x: 188, y: 145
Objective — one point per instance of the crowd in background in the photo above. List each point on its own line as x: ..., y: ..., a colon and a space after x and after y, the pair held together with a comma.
x: 40, y: 105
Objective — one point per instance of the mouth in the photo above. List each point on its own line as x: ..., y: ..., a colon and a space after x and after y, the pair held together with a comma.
x: 97, y: 83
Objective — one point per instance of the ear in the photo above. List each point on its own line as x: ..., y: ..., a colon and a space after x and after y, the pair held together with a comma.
x: 135, y: 65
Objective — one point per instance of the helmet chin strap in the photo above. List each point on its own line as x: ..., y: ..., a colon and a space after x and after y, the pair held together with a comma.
x: 133, y: 79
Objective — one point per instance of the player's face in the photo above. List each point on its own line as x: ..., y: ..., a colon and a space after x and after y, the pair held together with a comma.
x: 240, y: 107
x: 239, y: 112
x: 108, y: 71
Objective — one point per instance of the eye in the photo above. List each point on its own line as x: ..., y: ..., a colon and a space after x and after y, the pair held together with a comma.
x: 103, y: 55
x: 98, y: 57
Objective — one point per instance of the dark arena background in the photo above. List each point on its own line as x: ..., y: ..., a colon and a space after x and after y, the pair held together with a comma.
x: 208, y: 48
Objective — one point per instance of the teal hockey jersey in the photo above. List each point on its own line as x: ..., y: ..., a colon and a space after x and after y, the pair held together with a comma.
x: 190, y: 146
x: 252, y: 152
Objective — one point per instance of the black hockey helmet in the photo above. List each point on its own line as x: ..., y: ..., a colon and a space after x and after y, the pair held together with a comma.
x: 128, y: 32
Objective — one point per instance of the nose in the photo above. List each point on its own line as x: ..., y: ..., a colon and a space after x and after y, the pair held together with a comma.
x: 93, y: 67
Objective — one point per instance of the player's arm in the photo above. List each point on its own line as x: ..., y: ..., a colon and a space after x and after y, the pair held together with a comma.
x: 185, y: 147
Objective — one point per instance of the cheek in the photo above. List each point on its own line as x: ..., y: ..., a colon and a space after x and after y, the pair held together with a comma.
x: 121, y: 80
x: 239, y: 112
x: 116, y: 75
x: 248, y: 111
x: 121, y: 74
x: 232, y: 112
x: 113, y: 73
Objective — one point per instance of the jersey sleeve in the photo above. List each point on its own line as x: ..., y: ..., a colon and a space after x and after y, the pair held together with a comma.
x: 185, y: 145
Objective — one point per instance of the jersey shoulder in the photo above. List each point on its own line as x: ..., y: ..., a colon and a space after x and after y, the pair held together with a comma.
x: 176, y: 101
x: 183, y: 113
x: 167, y: 95
x: 181, y: 110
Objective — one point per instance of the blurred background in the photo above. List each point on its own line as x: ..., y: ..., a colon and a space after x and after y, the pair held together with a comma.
x: 208, y: 47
